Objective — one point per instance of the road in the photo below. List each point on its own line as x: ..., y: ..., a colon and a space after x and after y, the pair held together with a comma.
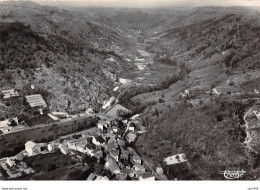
x: 122, y: 92
x: 100, y: 115
x: 132, y: 82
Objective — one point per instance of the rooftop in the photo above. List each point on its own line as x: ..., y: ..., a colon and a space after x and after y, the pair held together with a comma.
x: 36, y: 100
x: 178, y: 158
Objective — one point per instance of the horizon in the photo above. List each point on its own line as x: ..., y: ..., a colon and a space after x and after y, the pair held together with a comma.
x: 145, y: 3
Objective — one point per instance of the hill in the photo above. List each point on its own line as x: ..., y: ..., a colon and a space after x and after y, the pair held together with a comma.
x: 202, y: 112
x: 62, y: 52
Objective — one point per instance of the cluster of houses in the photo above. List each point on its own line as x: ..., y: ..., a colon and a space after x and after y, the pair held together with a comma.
x: 123, y: 83
x: 111, y: 145
x: 15, y: 167
x: 108, y: 103
x: 115, y: 139
x: 35, y: 101
x: 10, y: 125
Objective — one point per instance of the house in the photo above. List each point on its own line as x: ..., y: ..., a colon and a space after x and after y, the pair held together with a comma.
x: 129, y: 172
x: 185, y: 93
x: 5, y: 123
x: 132, y: 129
x: 130, y: 137
x: 138, y: 167
x: 89, y: 111
x: 111, y: 141
x: 9, y: 122
x: 8, y: 125
x: 121, y: 177
x: 81, y: 147
x: 147, y: 176
x: 64, y: 149
x: 136, y: 160
x: 125, y: 121
x: 101, y: 126
x: 175, y: 159
x: 111, y: 164
x: 10, y: 161
x: 159, y: 170
x: 121, y: 142
x: 124, y: 155
x: 111, y: 136
x: 109, y: 102
x: 111, y: 59
x: 98, y: 154
x: 101, y: 178
x: 122, y: 80
x: 98, y: 140
x: 111, y: 146
x: 115, y: 129
x: 91, y: 177
x: 116, y: 88
x: 89, y: 149
x: 52, y: 147
x: 72, y: 145
x: 32, y: 148
x: 140, y: 60
x: 61, y: 114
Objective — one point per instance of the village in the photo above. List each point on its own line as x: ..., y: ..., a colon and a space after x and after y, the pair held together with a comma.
x: 112, y: 144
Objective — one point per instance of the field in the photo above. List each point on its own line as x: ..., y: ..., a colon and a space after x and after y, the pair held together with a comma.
x: 42, y: 119
x: 167, y: 95
x: 129, y: 74
x: 153, y: 77
x: 113, y: 111
x: 158, y: 72
x: 13, y: 143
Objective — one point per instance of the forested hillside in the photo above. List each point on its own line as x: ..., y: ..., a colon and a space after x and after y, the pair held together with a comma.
x: 202, y: 113
x: 63, y: 52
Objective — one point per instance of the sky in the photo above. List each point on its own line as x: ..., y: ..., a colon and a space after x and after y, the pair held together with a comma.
x: 150, y: 3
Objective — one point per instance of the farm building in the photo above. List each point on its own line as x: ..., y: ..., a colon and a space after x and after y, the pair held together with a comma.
x: 32, y: 148
x: 36, y: 100
x: 64, y: 149
x: 9, y: 93
x: 176, y: 159
x: 140, y: 60
x: 125, y: 81
x: 108, y: 103
x: 116, y: 88
x: 135, y: 116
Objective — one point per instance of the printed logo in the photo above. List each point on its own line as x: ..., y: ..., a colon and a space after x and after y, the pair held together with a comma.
x: 232, y: 174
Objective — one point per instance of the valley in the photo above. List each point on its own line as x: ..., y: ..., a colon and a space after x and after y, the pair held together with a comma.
x: 177, y: 81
